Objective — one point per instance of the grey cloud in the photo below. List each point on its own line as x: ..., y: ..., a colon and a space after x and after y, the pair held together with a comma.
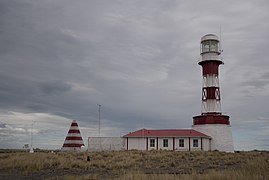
x: 259, y: 82
x: 3, y: 125
x: 8, y: 130
x: 54, y: 88
x: 20, y: 86
x: 37, y: 107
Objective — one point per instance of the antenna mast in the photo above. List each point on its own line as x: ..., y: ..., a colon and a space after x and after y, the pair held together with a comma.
x: 99, y: 117
x: 220, y: 39
x: 31, y: 148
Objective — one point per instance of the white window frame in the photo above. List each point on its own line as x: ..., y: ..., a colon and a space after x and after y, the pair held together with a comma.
x: 151, y: 142
x: 194, y: 144
x: 165, y: 142
x: 180, y: 143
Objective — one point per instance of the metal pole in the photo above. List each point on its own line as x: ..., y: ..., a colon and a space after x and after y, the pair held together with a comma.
x: 31, y: 148
x: 99, y: 117
x: 32, y: 134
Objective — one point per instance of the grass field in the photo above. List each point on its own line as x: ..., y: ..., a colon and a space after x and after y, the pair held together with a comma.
x: 135, y: 165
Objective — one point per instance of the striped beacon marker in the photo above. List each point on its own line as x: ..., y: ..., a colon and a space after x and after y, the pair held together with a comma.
x: 73, y: 140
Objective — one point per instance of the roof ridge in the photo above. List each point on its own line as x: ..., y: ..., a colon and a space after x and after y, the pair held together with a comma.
x: 169, y: 129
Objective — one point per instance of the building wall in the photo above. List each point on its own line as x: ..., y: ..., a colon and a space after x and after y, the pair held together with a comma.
x: 186, y: 144
x: 105, y: 143
x: 221, y: 134
x: 170, y: 143
x: 206, y: 144
x: 159, y: 143
x: 141, y: 144
x: 135, y: 143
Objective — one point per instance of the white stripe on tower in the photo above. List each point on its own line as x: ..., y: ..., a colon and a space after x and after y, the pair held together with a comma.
x: 211, y: 93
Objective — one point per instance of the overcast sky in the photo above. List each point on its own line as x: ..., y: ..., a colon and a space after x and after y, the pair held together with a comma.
x: 137, y: 58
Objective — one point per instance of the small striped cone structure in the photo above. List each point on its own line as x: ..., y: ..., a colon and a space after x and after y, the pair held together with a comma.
x: 73, y: 140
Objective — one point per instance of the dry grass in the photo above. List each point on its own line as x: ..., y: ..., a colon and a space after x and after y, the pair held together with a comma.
x: 137, y: 165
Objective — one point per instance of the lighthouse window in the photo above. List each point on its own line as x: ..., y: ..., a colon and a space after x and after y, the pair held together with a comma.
x: 195, y: 143
x: 181, y: 142
x: 165, y: 143
x: 210, y: 45
x: 206, y: 46
x: 213, y: 46
x: 152, y: 142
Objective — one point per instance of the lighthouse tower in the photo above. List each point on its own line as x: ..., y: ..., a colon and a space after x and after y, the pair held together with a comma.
x: 211, y: 121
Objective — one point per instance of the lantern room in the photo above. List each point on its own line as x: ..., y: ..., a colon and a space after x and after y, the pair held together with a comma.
x: 209, y: 44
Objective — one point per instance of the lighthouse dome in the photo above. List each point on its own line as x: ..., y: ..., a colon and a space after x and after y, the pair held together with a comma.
x: 210, y: 37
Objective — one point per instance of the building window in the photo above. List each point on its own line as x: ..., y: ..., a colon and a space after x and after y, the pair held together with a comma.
x: 152, y: 142
x: 181, y: 142
x: 165, y: 143
x: 195, y: 143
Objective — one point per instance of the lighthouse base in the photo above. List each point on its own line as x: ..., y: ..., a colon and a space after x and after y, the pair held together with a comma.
x: 221, y: 135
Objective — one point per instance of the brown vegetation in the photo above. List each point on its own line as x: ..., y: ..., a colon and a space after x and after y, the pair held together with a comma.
x: 136, y: 165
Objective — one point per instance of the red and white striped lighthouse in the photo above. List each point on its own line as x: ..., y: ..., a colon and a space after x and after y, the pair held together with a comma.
x: 73, y: 140
x: 211, y: 121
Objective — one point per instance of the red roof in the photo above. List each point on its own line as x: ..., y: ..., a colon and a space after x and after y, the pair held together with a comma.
x: 166, y: 133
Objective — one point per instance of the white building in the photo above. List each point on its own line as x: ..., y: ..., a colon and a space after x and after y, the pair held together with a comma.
x: 172, y: 139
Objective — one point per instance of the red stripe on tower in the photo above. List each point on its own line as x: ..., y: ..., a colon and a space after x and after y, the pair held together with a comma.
x: 73, y: 140
x: 72, y: 145
x: 74, y: 124
x: 73, y: 130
